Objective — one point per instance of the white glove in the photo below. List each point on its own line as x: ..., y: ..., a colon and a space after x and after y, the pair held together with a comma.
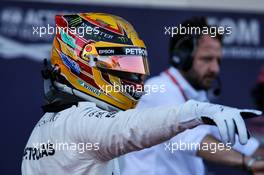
x: 228, y: 120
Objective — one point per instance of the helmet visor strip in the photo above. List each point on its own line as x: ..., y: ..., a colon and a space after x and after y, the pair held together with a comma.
x: 126, y: 59
x: 126, y: 63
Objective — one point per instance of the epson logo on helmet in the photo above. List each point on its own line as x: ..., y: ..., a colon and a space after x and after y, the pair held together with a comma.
x: 136, y: 51
x: 106, y: 51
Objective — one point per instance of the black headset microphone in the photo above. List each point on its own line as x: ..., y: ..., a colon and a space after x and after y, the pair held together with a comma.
x: 217, y: 90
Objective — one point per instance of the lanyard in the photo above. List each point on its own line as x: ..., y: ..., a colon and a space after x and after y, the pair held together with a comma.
x: 173, y: 79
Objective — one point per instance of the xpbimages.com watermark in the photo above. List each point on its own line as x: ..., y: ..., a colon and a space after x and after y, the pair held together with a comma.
x: 146, y: 89
x: 39, y: 150
x: 51, y: 30
x: 136, y: 91
x: 191, y: 30
x: 172, y: 147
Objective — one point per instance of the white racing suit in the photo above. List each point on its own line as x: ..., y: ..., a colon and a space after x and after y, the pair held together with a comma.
x: 84, y: 139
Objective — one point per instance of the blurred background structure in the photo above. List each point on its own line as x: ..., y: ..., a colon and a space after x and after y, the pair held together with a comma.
x: 22, y: 51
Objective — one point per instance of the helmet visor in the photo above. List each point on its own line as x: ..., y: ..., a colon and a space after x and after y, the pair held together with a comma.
x: 126, y: 63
